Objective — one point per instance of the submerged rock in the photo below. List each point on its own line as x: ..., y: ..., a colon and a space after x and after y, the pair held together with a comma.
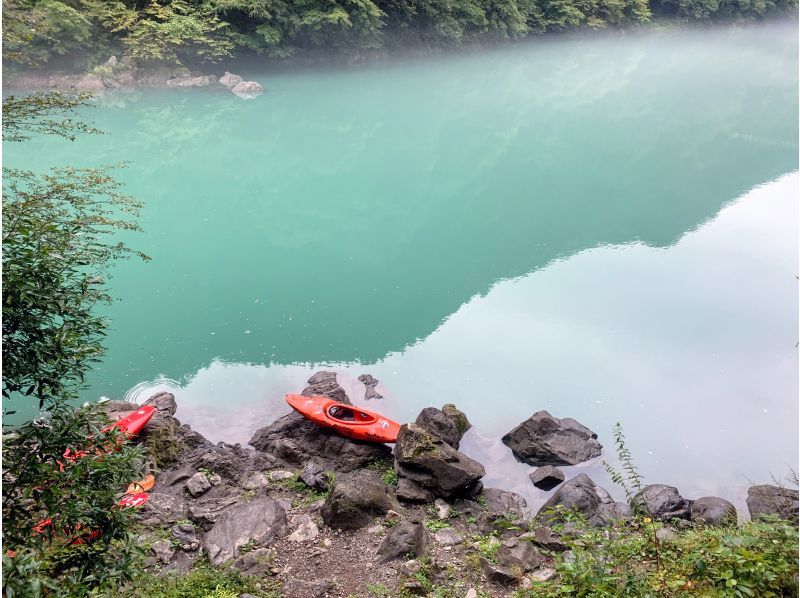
x: 230, y: 80
x: 370, y: 383
x: 546, y: 440
x: 772, y: 500
x: 247, y: 90
x: 430, y: 462
x: 190, y: 81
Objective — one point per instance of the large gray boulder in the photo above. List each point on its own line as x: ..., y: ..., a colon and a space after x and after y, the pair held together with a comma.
x: 254, y: 524
x: 546, y: 440
x: 429, y: 461
x: 662, y: 502
x: 772, y: 500
x: 405, y: 539
x: 581, y: 494
x: 356, y: 499
x: 519, y: 553
x: 712, y: 510
x: 294, y: 440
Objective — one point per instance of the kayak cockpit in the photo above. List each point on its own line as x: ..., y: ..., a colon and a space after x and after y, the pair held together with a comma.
x: 351, y: 416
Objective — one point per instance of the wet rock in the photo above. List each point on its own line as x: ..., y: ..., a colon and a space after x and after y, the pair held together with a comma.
x: 712, y: 510
x: 198, y: 484
x: 410, y: 491
x: 436, y: 422
x: 583, y: 495
x: 448, y: 537
x: 91, y: 84
x: 247, y: 90
x: 546, y: 440
x: 662, y: 502
x: 164, y: 402
x: 426, y: 459
x: 294, y: 440
x: 163, y: 550
x: 305, y: 531
x: 498, y: 575
x: 406, y: 538
x: 314, y: 476
x: 458, y: 417
x: 356, y: 499
x: 186, y: 535
x: 547, y: 477
x: 772, y: 500
x: 370, y: 383
x: 189, y: 81
x: 256, y: 562
x: 255, y: 523
x: 520, y: 553
x: 230, y: 80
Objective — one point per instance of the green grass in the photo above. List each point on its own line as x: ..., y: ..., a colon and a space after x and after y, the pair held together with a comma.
x: 385, y: 467
x: 202, y: 581
x: 751, y: 559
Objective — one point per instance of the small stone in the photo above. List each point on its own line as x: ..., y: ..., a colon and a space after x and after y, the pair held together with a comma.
x: 280, y: 475
x: 442, y: 508
x: 164, y: 550
x: 313, y: 476
x: 547, y: 477
x: 215, y: 480
x: 498, y: 575
x: 198, y: 484
x: 448, y: 537
x: 187, y: 536
x: 544, y: 574
x: 375, y: 529
x: 317, y: 551
x: 327, y: 542
x: 392, y: 515
x: 471, y: 593
x: 306, y: 531
x: 256, y: 481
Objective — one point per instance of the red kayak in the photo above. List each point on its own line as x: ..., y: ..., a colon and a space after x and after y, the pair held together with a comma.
x: 130, y: 425
x: 347, y: 420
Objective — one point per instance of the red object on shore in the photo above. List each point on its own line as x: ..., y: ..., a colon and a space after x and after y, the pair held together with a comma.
x: 133, y: 423
x: 347, y: 420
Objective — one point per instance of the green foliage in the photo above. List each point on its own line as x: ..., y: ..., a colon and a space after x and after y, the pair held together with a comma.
x: 202, y: 581
x: 176, y: 32
x: 752, y: 559
x: 57, y: 247
x: 78, y: 497
x: 386, y: 468
x: 58, y: 231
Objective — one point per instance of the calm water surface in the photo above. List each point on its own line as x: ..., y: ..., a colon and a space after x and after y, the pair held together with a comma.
x: 605, y: 228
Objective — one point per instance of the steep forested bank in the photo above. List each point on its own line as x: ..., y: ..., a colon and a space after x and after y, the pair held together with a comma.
x: 79, y: 34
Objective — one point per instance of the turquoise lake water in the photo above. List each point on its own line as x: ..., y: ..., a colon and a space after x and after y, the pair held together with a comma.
x: 603, y: 226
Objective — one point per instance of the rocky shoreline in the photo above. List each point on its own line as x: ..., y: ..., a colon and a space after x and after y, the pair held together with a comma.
x: 312, y: 513
x: 125, y: 75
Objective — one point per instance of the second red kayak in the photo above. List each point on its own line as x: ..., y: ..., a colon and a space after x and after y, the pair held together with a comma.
x: 347, y: 420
